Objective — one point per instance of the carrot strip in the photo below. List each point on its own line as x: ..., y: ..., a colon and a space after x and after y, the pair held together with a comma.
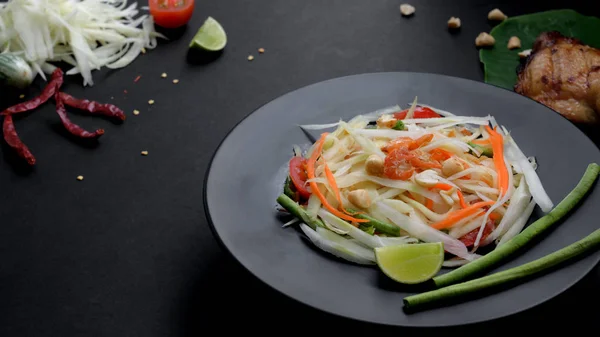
x: 498, y: 148
x: 429, y: 204
x: 481, y: 141
x: 461, y: 198
x: 310, y: 172
x: 494, y: 216
x: 334, y: 187
x: 442, y: 186
x: 456, y: 216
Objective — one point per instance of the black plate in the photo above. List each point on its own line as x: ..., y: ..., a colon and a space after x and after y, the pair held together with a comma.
x: 248, y: 169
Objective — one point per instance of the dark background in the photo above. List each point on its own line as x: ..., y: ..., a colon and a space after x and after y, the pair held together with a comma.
x: 128, y: 251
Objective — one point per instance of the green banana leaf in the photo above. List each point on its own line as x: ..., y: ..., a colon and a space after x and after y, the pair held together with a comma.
x: 500, y: 63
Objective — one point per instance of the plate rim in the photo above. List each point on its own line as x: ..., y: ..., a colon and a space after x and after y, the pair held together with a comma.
x: 299, y: 300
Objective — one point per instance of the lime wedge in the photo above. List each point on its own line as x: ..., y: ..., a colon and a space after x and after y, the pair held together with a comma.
x: 211, y: 36
x: 411, y: 263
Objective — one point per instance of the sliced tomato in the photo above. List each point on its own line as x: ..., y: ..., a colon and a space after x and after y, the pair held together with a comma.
x: 398, y: 165
x: 469, y: 238
x: 299, y: 177
x: 171, y: 13
x: 420, y: 112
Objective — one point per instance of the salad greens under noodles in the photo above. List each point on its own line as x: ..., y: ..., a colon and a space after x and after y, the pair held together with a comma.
x: 393, y: 177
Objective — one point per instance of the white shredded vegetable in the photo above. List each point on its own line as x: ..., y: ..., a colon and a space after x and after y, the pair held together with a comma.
x: 419, y: 179
x: 426, y: 233
x: 88, y: 34
x: 533, y: 181
x: 338, y: 246
x: 519, y: 223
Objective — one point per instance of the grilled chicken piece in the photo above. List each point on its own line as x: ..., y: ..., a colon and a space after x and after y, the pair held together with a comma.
x: 564, y: 75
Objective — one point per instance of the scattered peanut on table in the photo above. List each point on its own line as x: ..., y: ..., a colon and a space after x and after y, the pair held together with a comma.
x: 496, y: 15
x: 407, y: 9
x: 484, y: 40
x: 454, y: 23
x: 525, y: 53
x: 514, y: 42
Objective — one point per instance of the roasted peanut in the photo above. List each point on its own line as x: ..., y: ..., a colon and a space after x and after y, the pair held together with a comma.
x: 374, y: 165
x: 360, y: 198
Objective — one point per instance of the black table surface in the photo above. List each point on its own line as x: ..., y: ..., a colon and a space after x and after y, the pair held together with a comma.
x: 128, y: 251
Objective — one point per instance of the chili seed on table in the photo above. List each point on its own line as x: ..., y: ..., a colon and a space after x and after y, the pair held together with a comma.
x: 163, y: 75
x: 175, y: 81
x: 250, y: 57
x: 151, y: 102
x: 136, y: 112
x: 80, y: 178
x: 144, y: 153
x: 261, y: 50
x: 21, y: 96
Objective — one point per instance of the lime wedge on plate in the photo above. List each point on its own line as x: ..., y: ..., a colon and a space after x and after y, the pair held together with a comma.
x: 211, y: 36
x: 411, y: 263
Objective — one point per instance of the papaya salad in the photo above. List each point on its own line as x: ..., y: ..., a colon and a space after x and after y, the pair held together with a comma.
x: 395, y: 177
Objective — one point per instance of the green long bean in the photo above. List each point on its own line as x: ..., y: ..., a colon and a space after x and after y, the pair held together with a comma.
x: 535, y: 229
x: 583, y: 246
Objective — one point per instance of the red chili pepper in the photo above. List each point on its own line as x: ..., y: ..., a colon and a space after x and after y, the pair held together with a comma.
x: 12, y: 138
x: 92, y: 107
x: 420, y: 112
x: 73, y: 128
x: 55, y: 83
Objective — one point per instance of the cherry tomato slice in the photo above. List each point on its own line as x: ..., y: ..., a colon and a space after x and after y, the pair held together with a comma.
x: 299, y: 177
x: 469, y: 238
x: 171, y: 13
x: 420, y: 112
x: 397, y: 164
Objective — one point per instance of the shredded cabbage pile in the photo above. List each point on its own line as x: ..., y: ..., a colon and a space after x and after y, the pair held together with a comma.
x: 416, y: 203
x: 87, y: 34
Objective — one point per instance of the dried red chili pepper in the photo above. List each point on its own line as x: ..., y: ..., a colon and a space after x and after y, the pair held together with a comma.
x: 56, y: 81
x: 73, y: 128
x: 12, y: 138
x: 92, y: 107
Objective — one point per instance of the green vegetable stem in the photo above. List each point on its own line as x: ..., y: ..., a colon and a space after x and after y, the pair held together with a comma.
x: 581, y: 247
x: 380, y: 226
x: 299, y: 212
x: 535, y: 229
